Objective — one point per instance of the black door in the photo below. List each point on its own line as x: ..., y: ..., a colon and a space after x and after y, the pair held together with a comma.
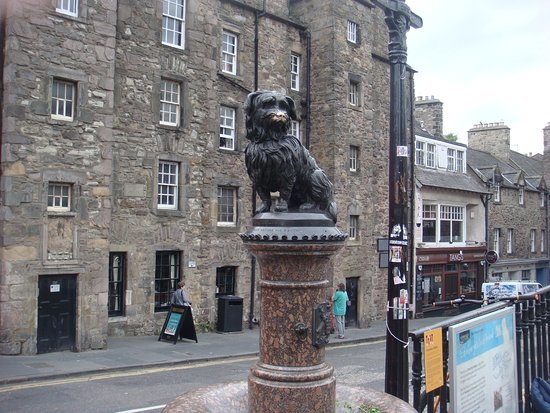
x: 351, y: 311
x: 56, y: 313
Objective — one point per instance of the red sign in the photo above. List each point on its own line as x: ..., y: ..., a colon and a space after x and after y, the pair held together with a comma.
x: 491, y: 257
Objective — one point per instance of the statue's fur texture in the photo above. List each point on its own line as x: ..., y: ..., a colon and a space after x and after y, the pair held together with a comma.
x: 277, y: 161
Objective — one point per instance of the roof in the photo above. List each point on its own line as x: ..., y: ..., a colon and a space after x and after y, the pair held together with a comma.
x: 449, y: 180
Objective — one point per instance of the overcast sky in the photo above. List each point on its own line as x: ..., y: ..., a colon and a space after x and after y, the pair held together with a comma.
x: 487, y: 61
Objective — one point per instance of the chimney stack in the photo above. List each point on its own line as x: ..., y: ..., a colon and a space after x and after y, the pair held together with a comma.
x: 493, y: 138
x: 429, y: 112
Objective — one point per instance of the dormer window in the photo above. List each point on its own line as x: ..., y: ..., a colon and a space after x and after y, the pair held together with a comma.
x: 521, y: 195
x: 497, y: 192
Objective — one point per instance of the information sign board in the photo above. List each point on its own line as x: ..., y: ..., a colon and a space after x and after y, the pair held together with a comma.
x: 482, y: 363
x: 178, y: 323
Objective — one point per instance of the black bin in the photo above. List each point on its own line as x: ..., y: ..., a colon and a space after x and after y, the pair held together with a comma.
x: 230, y: 313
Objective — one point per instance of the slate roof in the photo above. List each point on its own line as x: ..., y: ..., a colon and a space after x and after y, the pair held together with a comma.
x: 442, y: 179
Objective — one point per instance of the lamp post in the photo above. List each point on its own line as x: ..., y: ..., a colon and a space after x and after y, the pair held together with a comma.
x: 399, y: 19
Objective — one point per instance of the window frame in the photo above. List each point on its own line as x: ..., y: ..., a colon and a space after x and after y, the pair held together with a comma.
x: 224, y: 209
x: 459, y: 162
x: 57, y: 198
x: 351, y: 32
x: 435, y: 215
x: 295, y: 63
x: 533, y: 240
x: 430, y: 155
x: 353, y: 93
x: 354, y: 227
x: 66, y: 10
x: 419, y: 153
x: 498, y: 194
x: 521, y: 195
x: 176, y: 104
x: 510, y: 241
x: 542, y: 240
x: 229, y: 58
x: 295, y: 129
x: 174, y: 270
x: 224, y: 273
x: 224, y: 127
x: 353, y: 158
x: 161, y: 185
x: 56, y: 81
x: 116, y: 287
x: 174, y: 18
x: 496, y: 240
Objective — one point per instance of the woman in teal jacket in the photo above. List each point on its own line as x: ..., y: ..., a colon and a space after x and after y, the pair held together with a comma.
x: 339, y: 304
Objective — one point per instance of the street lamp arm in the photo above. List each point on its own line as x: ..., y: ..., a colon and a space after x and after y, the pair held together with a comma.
x: 399, y: 6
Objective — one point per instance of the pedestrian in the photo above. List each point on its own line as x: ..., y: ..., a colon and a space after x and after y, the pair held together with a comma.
x: 179, y: 296
x: 339, y: 304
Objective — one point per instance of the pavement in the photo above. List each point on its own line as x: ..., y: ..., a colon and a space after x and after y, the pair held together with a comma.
x: 140, y: 352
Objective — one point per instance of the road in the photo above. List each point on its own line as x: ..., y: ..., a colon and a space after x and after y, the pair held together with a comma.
x: 149, y: 390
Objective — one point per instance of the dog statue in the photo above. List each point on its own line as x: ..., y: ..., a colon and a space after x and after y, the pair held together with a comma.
x: 276, y: 161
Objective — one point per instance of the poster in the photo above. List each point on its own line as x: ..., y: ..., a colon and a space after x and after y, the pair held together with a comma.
x: 172, y: 324
x: 483, y: 371
x: 433, y: 359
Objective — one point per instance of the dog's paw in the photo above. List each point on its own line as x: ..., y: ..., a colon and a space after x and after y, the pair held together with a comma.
x: 264, y: 207
x: 282, y: 206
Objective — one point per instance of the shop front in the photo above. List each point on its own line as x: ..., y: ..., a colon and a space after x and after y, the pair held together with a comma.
x: 444, y: 274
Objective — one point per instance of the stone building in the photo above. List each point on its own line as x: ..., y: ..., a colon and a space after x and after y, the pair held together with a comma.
x: 518, y: 210
x: 122, y: 155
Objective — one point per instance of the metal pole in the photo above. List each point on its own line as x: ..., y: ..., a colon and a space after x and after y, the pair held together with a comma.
x: 398, y: 19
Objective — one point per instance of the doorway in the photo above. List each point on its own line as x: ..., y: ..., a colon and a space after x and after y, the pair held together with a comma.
x: 56, y: 313
x: 351, y: 310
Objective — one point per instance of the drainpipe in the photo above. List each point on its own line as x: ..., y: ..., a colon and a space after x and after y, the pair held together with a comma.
x: 308, y: 88
x: 257, y: 16
x: 485, y: 201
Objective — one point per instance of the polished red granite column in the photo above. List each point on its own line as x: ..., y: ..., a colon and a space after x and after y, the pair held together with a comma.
x: 291, y: 374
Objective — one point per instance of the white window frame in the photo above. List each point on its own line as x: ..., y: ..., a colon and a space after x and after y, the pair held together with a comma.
x: 420, y: 153
x: 229, y: 52
x: 533, y: 240
x: 63, y: 107
x: 167, y: 185
x: 227, y: 128
x: 353, y: 158
x: 173, y: 23
x: 295, y: 129
x: 497, y: 192
x: 353, y: 93
x: 439, y: 213
x: 353, y: 227
x: 542, y: 199
x: 294, y: 71
x: 170, y: 95
x: 451, y: 159
x: 227, y: 211
x: 430, y: 155
x: 521, y: 195
x: 510, y: 241
x: 352, y: 32
x: 496, y: 240
x: 459, y: 161
x: 69, y: 7
x: 59, y: 197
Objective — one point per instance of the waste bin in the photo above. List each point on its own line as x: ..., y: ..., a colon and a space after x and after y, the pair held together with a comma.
x: 230, y: 313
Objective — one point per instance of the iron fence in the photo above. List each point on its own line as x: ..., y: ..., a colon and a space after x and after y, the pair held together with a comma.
x: 532, y: 315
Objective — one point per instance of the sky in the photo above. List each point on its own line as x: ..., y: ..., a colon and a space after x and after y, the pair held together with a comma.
x: 487, y: 61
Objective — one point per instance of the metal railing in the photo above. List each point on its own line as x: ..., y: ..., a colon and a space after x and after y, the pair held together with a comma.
x: 532, y: 314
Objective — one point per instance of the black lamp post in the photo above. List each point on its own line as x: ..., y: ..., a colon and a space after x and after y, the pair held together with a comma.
x: 398, y: 18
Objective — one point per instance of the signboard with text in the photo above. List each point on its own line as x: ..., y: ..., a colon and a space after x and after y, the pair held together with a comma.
x: 482, y: 364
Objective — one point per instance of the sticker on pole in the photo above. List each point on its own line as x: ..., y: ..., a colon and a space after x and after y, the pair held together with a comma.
x: 403, y: 151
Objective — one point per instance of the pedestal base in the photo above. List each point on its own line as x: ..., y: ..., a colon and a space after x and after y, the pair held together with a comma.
x: 233, y: 398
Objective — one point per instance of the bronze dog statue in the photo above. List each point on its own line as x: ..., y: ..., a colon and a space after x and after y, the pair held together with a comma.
x: 277, y: 161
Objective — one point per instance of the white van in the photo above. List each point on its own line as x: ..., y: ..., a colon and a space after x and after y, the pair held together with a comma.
x: 505, y: 289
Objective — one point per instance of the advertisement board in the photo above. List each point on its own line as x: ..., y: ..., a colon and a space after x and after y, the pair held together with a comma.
x: 482, y: 364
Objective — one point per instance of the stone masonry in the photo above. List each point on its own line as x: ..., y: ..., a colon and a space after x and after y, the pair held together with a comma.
x: 109, y: 152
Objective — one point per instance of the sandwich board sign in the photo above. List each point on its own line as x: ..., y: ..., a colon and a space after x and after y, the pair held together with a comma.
x: 178, y: 323
x: 482, y: 364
